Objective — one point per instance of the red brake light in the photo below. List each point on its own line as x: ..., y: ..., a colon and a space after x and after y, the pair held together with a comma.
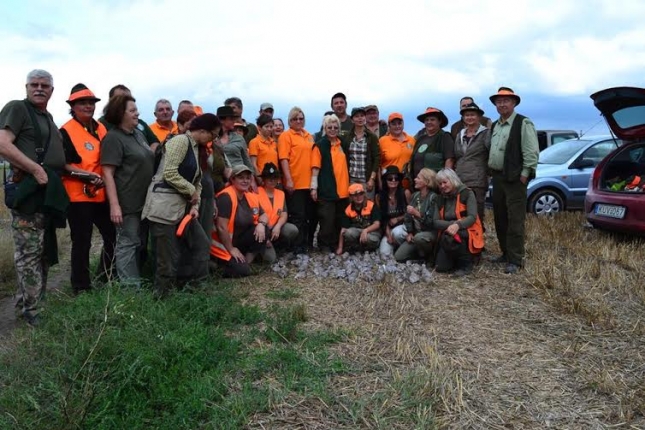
x: 595, y: 177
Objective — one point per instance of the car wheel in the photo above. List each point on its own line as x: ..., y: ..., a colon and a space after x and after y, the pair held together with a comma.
x: 546, y: 202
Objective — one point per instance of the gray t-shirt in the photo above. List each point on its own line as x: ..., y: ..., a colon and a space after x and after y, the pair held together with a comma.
x: 237, y: 152
x: 15, y: 117
x: 134, y: 162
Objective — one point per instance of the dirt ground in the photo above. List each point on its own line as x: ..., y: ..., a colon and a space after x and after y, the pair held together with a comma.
x: 560, y: 345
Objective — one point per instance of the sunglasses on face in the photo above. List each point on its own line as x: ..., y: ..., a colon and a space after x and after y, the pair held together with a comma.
x: 392, y: 179
x: 332, y: 127
x: 300, y: 118
x: 359, y: 194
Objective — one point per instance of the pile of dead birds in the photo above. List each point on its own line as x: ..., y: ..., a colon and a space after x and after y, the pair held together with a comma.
x: 352, y: 268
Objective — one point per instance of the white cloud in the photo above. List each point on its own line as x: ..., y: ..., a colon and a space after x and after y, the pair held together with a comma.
x: 297, y: 52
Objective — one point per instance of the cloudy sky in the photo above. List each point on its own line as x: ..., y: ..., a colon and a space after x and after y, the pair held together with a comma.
x: 403, y: 55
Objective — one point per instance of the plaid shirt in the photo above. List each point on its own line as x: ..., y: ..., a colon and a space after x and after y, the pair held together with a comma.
x: 357, y: 159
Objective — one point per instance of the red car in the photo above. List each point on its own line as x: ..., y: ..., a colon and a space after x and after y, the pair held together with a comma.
x: 615, y: 198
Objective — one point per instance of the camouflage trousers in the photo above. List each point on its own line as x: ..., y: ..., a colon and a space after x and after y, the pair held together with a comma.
x: 29, y: 257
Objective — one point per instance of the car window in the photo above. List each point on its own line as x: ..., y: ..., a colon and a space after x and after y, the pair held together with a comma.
x: 562, y: 152
x: 630, y: 117
x: 599, y: 151
x: 557, y: 138
x: 637, y: 155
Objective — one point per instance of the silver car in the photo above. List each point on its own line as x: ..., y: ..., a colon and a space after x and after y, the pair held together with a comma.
x: 563, y: 172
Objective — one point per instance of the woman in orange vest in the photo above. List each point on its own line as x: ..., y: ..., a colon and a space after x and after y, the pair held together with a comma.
x: 273, y: 202
x: 240, y: 232
x: 462, y: 236
x: 329, y: 170
x: 82, y: 137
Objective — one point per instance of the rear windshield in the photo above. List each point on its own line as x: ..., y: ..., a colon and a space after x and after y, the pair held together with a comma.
x: 562, y: 152
x: 630, y: 117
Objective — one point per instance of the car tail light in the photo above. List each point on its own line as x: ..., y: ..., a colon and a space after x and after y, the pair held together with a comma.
x: 595, y: 177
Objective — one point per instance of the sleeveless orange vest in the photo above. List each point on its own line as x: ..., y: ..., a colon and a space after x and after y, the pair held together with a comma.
x: 475, y: 231
x: 89, y: 149
x: 218, y: 250
x: 366, y: 211
x: 273, y: 210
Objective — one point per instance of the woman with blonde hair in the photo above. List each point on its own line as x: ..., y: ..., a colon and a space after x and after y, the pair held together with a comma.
x: 294, y: 153
x: 456, y: 219
x: 330, y: 172
x: 419, y: 226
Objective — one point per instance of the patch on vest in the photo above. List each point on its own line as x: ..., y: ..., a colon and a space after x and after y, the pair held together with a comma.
x: 409, y: 146
x: 423, y: 147
x: 140, y: 126
x: 88, y: 146
x: 256, y: 211
x: 279, y: 212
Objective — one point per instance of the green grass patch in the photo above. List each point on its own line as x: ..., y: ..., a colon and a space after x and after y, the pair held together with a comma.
x: 283, y: 294
x: 117, y: 358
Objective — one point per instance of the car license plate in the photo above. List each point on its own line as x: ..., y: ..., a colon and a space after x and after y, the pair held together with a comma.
x: 610, y: 211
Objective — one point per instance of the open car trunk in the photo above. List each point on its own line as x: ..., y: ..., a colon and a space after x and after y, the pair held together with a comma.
x: 625, y: 170
x: 624, y: 111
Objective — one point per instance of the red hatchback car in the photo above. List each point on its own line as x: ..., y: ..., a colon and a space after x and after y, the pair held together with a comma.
x: 615, y: 198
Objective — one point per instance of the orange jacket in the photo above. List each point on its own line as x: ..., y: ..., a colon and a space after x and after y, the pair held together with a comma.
x: 475, y: 231
x: 273, y: 210
x: 218, y: 250
x: 88, y: 148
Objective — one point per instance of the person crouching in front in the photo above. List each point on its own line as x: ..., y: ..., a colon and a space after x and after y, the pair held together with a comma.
x: 361, y: 223
x: 241, y: 229
x: 462, y: 236
x: 280, y: 233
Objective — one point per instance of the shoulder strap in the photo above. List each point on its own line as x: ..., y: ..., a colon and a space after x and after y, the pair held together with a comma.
x: 41, y: 148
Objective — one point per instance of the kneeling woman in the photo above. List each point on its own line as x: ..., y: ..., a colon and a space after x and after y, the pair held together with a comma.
x: 241, y: 227
x: 273, y: 202
x: 420, y: 235
x: 361, y: 223
x: 181, y: 253
x: 462, y: 236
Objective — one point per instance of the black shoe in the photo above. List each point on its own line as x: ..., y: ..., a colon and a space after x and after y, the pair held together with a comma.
x: 500, y: 260
x: 511, y: 268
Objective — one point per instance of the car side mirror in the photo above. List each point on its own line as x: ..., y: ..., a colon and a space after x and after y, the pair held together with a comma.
x: 582, y: 163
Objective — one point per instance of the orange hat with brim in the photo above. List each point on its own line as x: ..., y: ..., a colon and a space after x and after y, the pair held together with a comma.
x: 82, y: 94
x: 393, y: 116
x: 433, y: 111
x: 505, y: 92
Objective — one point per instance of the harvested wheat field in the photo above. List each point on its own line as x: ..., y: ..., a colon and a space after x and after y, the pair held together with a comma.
x: 560, y: 345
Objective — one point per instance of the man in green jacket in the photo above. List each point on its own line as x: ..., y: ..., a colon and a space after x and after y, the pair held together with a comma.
x: 31, y: 142
x: 512, y: 160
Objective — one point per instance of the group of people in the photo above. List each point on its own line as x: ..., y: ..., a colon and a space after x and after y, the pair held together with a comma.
x: 212, y: 186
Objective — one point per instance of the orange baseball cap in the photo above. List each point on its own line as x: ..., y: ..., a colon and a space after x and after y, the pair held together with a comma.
x: 393, y: 116
x: 356, y: 189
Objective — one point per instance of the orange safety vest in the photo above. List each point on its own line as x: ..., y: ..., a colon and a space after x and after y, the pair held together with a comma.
x: 365, y: 212
x: 88, y: 148
x: 218, y: 250
x: 475, y: 231
x: 273, y: 210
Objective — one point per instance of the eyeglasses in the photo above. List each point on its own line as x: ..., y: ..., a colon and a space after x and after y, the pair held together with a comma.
x: 300, y: 118
x: 36, y: 85
x: 359, y: 194
x: 392, y: 179
x: 332, y: 127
